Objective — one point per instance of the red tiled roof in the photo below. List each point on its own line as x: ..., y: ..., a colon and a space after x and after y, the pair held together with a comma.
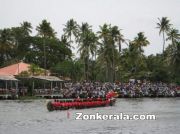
x: 14, y: 69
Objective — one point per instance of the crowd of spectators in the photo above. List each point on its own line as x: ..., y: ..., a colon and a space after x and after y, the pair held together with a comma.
x: 130, y: 89
x: 133, y: 89
x: 98, y: 89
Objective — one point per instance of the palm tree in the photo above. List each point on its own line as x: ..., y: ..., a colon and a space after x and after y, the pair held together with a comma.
x: 140, y: 41
x: 121, y: 40
x: 164, y: 26
x: 6, y: 45
x: 26, y: 28
x: 20, y: 36
x: 104, y: 33
x: 173, y: 35
x: 103, y: 58
x: 136, y: 51
x: 115, y: 36
x: 71, y: 28
x: 176, y: 55
x: 174, y: 59
x: 45, y: 31
x: 87, y: 45
x: 83, y: 30
x: 65, y: 41
x: 108, y: 36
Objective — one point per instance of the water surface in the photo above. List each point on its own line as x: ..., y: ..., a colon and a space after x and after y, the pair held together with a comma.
x: 32, y: 117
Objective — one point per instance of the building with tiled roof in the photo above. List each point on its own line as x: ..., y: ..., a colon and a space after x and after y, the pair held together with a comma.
x: 14, y: 69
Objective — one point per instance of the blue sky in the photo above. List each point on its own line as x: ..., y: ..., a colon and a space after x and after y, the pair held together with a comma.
x: 132, y: 16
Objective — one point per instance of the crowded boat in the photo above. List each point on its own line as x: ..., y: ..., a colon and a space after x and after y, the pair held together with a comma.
x: 79, y: 103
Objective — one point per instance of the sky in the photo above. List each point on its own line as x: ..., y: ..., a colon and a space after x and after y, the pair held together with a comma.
x: 132, y: 16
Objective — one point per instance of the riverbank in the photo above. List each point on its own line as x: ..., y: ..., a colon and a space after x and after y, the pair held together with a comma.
x: 119, y: 96
x: 22, y: 98
x: 29, y: 98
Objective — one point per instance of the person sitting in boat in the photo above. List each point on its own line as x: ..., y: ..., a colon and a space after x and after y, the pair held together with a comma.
x: 99, y: 99
x: 78, y: 99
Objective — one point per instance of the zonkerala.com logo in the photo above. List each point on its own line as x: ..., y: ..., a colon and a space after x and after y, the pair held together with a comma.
x: 120, y: 116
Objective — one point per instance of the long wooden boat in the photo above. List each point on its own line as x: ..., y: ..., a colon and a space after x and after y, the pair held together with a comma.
x: 81, y: 103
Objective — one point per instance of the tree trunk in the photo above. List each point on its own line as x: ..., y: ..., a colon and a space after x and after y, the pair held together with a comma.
x: 172, y: 42
x: 107, y: 72
x: 163, y: 42
x: 86, y: 68
x: 87, y: 73
x: 44, y: 49
x: 95, y: 55
x: 119, y: 46
x: 113, y: 67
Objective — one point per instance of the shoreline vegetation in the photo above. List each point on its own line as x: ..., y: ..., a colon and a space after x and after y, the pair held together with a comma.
x: 101, y: 55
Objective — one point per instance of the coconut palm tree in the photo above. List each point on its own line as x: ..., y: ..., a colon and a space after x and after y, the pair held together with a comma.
x: 173, y: 35
x: 6, y: 45
x: 140, y: 41
x: 108, y: 36
x: 20, y: 36
x: 176, y: 55
x: 71, y: 28
x: 136, y: 51
x: 26, y: 28
x: 45, y: 31
x: 103, y: 58
x: 121, y: 40
x: 65, y: 41
x: 174, y: 59
x: 115, y: 33
x: 164, y: 26
x: 83, y: 30
x: 116, y: 39
x: 87, y: 45
x: 104, y: 33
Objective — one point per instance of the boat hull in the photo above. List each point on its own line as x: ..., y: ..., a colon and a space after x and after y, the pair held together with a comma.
x: 55, y: 105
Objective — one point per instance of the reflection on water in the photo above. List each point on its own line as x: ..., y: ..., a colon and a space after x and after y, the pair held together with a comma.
x: 32, y: 117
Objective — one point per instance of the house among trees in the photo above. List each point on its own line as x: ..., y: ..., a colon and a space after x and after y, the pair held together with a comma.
x: 17, y: 79
x: 8, y: 82
x: 8, y: 86
x: 15, y: 69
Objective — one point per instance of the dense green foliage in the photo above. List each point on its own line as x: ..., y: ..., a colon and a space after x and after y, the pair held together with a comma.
x: 101, y: 55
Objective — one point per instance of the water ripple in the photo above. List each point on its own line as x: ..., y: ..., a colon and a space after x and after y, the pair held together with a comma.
x: 32, y: 117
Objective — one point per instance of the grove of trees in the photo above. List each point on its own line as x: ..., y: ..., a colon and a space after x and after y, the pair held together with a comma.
x: 101, y: 55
